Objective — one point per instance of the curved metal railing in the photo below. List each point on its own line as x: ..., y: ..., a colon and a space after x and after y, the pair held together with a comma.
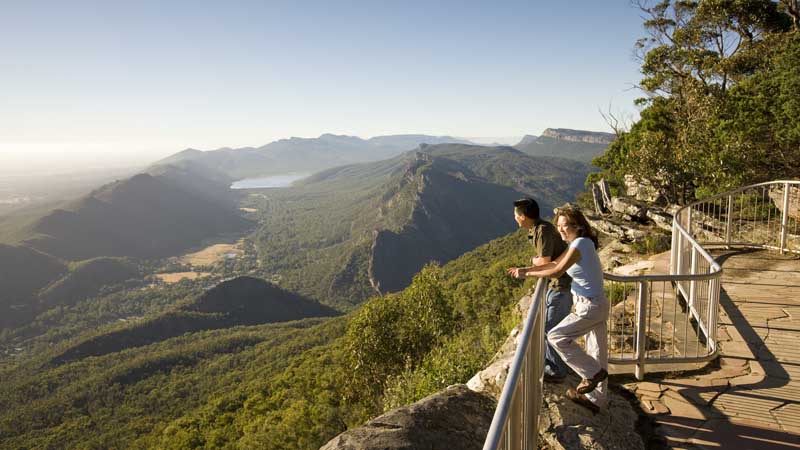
x: 662, y: 320
x: 657, y: 319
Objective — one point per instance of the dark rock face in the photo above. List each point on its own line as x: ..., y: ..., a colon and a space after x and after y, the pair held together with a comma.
x: 456, y: 418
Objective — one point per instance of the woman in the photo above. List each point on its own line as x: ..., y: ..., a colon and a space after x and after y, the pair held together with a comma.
x: 581, y: 262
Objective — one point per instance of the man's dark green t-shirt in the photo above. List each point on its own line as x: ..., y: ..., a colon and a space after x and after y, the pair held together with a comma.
x: 547, y: 241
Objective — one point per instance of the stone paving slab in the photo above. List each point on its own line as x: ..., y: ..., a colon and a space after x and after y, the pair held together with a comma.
x: 752, y: 401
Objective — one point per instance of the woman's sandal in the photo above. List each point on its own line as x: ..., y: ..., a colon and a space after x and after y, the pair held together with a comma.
x: 581, y: 399
x: 588, y: 385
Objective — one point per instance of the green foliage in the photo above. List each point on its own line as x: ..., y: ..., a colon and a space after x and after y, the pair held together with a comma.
x: 282, y: 386
x: 722, y: 110
x: 617, y: 292
x: 396, y: 331
x: 652, y: 244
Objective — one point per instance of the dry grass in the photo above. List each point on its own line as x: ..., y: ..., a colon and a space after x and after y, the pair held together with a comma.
x: 178, y: 276
x: 212, y: 254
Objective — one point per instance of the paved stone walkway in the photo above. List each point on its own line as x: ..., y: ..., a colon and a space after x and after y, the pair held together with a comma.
x: 752, y: 400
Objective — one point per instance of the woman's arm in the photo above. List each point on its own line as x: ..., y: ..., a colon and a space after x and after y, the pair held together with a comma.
x: 556, y: 268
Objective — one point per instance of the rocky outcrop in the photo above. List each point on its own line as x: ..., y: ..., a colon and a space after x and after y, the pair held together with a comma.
x: 642, y: 190
x: 564, y: 425
x: 616, y: 229
x: 630, y: 209
x: 456, y: 418
x: 589, y: 137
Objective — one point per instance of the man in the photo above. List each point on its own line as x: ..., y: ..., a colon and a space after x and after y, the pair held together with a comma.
x: 547, y: 245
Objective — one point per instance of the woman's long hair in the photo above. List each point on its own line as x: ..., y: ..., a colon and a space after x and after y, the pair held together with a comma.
x: 578, y: 220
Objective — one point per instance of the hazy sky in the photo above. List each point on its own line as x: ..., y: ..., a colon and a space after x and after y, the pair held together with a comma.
x: 106, y: 83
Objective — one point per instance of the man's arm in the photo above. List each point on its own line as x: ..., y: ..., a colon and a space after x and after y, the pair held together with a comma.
x: 541, y: 260
x: 554, y: 269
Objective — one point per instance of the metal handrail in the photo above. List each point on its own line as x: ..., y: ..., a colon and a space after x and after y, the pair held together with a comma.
x: 516, y: 419
x: 515, y: 422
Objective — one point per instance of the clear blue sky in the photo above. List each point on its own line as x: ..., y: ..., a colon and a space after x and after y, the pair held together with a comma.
x: 112, y: 82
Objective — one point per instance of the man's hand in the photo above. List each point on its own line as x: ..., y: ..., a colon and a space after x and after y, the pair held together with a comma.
x: 517, y: 272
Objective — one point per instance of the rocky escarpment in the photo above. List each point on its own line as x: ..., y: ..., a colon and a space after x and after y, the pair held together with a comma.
x: 452, y: 211
x: 456, y: 418
x: 589, y: 137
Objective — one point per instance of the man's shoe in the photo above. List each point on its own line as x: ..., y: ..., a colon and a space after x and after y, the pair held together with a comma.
x: 588, y: 385
x: 581, y: 399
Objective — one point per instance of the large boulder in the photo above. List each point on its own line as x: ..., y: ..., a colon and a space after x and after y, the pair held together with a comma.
x: 642, y: 190
x: 456, y: 418
x: 629, y: 207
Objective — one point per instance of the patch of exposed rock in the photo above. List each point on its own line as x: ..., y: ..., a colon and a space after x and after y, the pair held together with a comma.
x: 456, y: 418
x: 628, y: 225
x: 642, y: 190
x: 564, y: 425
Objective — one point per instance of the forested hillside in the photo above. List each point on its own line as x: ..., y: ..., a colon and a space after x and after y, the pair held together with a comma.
x: 240, y: 301
x: 366, y: 228
x: 23, y: 272
x: 144, y: 216
x: 290, y: 386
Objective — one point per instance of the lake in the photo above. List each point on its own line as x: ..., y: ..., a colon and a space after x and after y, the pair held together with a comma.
x: 272, y: 181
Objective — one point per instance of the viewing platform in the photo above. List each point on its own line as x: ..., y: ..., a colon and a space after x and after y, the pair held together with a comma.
x: 751, y: 398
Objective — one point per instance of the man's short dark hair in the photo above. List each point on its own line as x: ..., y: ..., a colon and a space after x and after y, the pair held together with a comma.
x: 528, y: 207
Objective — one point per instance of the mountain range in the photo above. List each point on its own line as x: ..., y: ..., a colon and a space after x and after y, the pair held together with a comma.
x: 305, y: 155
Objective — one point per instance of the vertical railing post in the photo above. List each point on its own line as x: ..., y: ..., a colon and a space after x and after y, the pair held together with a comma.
x: 692, y: 283
x: 535, y: 381
x: 713, y: 295
x: 689, y: 221
x: 529, y: 387
x: 514, y: 431
x: 679, y: 254
x: 785, y: 217
x: 729, y: 224
x: 641, y: 330
x: 673, y: 256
